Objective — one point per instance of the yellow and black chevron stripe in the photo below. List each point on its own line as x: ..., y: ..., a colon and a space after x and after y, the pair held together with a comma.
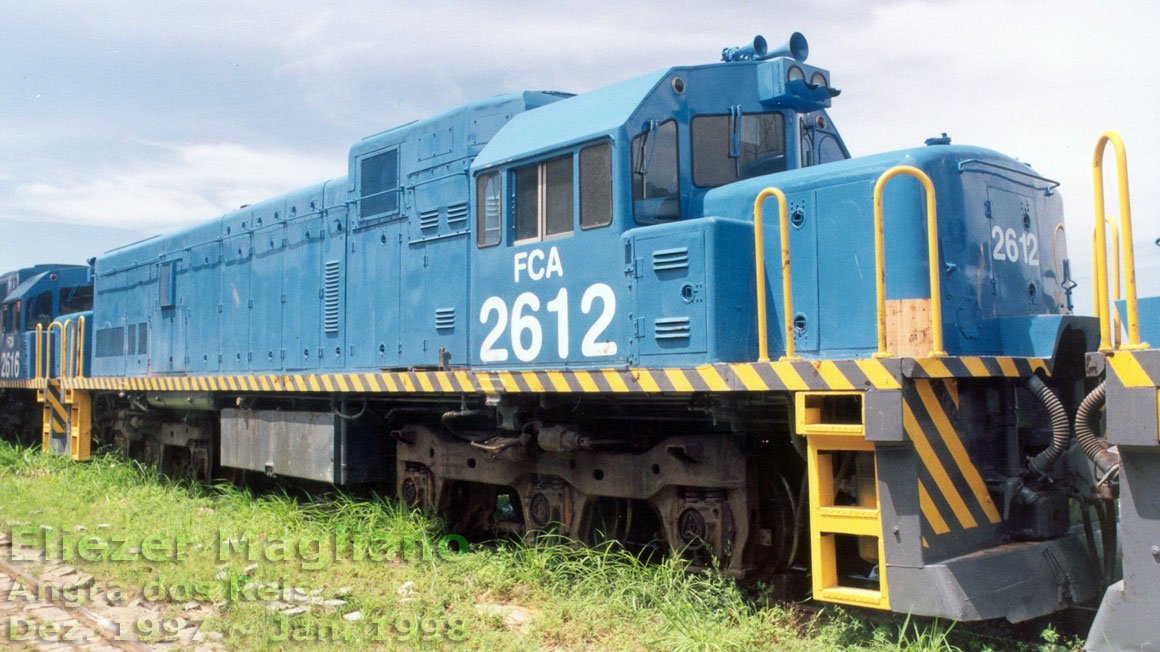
x: 774, y: 376
x: 1135, y: 368
x: 859, y: 374
x: 22, y: 384
x: 973, y: 367
x: 56, y: 413
x: 951, y: 491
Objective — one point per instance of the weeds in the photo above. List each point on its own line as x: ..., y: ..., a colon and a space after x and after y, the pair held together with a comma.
x: 573, y: 597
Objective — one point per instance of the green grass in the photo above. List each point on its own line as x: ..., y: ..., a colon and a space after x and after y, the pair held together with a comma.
x: 599, y: 598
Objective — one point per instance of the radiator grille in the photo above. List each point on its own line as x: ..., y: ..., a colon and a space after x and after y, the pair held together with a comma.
x: 110, y: 342
x: 332, y: 276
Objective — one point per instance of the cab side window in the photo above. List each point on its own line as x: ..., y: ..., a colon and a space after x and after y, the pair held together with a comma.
x: 543, y: 198
x: 40, y: 310
x: 656, y: 188
x: 596, y: 186
x: 807, y: 144
x: 829, y: 150
x: 488, y: 210
x: 76, y: 299
x: 728, y: 148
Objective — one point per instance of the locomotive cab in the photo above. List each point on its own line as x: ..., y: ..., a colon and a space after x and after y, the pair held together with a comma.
x: 562, y: 194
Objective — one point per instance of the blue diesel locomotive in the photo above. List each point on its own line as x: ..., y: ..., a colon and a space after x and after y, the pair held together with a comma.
x: 551, y: 311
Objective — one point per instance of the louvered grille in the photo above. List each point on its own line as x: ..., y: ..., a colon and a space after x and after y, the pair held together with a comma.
x: 429, y: 219
x: 332, y: 275
x: 444, y: 318
x: 457, y: 213
x: 668, y: 259
x: 672, y: 328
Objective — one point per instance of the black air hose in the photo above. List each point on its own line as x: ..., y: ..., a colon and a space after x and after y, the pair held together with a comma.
x: 1096, y: 449
x: 1060, y: 426
x: 470, y: 425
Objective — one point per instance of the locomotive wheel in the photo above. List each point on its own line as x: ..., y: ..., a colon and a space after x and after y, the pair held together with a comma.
x: 774, y: 553
x: 467, y: 508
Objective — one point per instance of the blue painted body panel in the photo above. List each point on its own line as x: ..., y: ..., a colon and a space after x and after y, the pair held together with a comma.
x: 381, y: 268
x: 1148, y: 309
x: 832, y: 252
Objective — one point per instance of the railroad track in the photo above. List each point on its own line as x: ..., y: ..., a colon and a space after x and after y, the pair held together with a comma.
x: 47, y: 607
x: 49, y: 622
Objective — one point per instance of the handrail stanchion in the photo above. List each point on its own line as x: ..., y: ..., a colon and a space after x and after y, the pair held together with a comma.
x: 48, y: 348
x: 786, y: 284
x: 932, y: 255
x: 79, y: 369
x: 1133, y: 315
x: 68, y: 338
x: 36, y: 349
x: 1055, y: 260
x: 1115, y: 336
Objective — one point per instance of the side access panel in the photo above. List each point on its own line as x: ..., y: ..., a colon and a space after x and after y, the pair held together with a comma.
x: 234, y: 303
x: 670, y: 309
x: 301, y: 270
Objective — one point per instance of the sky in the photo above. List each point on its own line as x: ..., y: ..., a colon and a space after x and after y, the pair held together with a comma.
x: 119, y: 120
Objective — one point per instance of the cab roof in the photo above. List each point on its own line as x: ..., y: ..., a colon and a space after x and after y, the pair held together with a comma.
x: 568, y: 122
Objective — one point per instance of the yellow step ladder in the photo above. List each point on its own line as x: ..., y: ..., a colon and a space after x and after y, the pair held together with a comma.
x: 833, y: 423
x: 67, y: 412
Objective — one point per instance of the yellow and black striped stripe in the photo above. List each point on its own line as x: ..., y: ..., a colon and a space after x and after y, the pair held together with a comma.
x: 1136, y: 368
x: 22, y: 384
x: 973, y: 367
x: 860, y: 374
x: 774, y: 376
x: 952, y: 493
x: 57, y: 410
x: 55, y: 415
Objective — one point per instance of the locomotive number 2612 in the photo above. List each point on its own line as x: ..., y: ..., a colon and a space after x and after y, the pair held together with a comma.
x: 526, y: 331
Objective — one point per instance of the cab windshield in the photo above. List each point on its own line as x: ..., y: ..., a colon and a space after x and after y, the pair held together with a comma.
x: 731, y: 147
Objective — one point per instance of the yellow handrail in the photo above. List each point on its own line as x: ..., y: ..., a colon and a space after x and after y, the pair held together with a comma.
x: 786, y: 285
x: 79, y: 369
x: 1055, y: 262
x: 36, y: 350
x: 932, y: 249
x: 1134, y: 343
x: 1116, y: 278
x: 68, y: 340
x: 48, y: 347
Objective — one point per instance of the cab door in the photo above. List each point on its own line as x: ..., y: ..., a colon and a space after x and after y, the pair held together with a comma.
x: 549, y: 276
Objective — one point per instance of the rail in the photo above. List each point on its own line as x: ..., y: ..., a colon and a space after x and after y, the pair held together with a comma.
x: 44, y: 369
x: 1101, y: 245
x: 79, y: 349
x: 786, y: 285
x: 1116, y: 279
x: 36, y: 351
x: 932, y: 249
x: 67, y: 343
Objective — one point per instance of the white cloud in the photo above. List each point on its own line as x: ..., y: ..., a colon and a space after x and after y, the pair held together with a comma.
x: 1036, y: 80
x: 187, y: 185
